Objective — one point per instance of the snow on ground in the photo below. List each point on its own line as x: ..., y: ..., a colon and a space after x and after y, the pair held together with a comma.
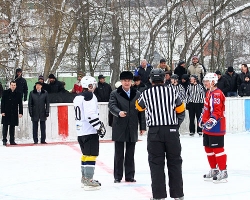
x: 52, y: 172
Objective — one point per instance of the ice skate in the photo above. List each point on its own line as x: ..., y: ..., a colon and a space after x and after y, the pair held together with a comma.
x: 221, y: 177
x: 83, y: 182
x: 210, y: 175
x: 91, y: 185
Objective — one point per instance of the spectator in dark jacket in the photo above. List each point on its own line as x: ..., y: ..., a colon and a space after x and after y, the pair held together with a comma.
x: 180, y: 69
x: 21, y: 84
x: 138, y: 85
x: 11, y: 109
x: 39, y: 111
x: 55, y: 85
x: 232, y: 78
x: 185, y: 81
x: 244, y: 89
x: 222, y: 84
x: 143, y: 71
x: 103, y: 90
x: 244, y: 72
x: 168, y: 75
x: 1, y: 90
x: 45, y: 85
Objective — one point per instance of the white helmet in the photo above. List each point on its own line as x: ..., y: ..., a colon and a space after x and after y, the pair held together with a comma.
x: 211, y: 77
x: 88, y: 80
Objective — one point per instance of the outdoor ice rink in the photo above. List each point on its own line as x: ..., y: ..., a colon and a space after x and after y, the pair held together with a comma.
x: 52, y: 172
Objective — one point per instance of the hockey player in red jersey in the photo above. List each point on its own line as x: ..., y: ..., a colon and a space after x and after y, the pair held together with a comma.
x: 213, y: 123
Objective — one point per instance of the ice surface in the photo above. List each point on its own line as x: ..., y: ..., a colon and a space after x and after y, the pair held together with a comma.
x: 52, y: 172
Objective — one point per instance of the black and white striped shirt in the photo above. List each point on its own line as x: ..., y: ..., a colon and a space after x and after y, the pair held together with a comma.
x: 160, y: 102
x: 195, y: 93
x: 180, y: 91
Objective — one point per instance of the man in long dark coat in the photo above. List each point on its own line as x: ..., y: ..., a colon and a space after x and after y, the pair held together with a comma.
x: 11, y: 109
x: 125, y: 126
x: 39, y: 110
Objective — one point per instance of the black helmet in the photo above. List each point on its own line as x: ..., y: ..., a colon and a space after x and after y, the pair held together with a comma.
x: 175, y: 76
x: 157, y: 75
x: 194, y: 76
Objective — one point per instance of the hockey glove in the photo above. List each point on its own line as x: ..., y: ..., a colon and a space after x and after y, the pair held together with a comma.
x: 102, y: 130
x: 210, y: 124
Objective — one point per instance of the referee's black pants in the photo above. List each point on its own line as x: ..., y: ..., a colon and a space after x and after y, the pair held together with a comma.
x: 129, y: 163
x: 164, y: 142
x: 195, y: 110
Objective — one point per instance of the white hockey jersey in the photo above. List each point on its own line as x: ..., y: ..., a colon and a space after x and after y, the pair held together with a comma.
x: 86, y: 114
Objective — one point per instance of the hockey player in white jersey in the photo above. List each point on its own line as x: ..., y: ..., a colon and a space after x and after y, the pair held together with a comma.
x: 87, y: 127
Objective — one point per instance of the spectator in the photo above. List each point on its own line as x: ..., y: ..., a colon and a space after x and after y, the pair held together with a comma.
x: 55, y: 85
x: 21, y: 84
x: 168, y: 75
x: 163, y: 65
x: 11, y: 109
x: 103, y: 90
x: 222, y: 83
x: 143, y: 71
x: 244, y: 89
x: 1, y: 90
x: 232, y: 78
x: 178, y: 87
x: 195, y: 95
x: 125, y: 126
x: 45, y: 85
x: 184, y: 81
x: 77, y: 86
x: 196, y: 69
x: 180, y: 69
x: 244, y: 72
x: 138, y: 85
x: 39, y: 111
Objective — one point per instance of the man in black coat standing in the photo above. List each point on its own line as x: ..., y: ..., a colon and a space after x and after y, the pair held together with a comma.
x: 55, y: 85
x: 103, y: 90
x: 21, y: 84
x: 125, y: 126
x: 11, y: 109
x: 232, y: 78
x: 222, y: 84
x: 39, y: 110
x: 180, y: 69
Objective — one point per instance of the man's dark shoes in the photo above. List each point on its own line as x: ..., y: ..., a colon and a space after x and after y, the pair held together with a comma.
x: 35, y: 142
x: 117, y: 181
x: 43, y: 142
x: 4, y: 144
x: 13, y: 143
x: 130, y: 180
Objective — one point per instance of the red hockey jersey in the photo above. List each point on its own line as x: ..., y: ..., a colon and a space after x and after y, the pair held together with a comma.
x: 214, y: 107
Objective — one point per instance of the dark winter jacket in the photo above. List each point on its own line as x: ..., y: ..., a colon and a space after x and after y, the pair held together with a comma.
x: 185, y: 84
x: 140, y: 87
x: 102, y: 92
x: 223, y: 85
x: 232, y: 80
x: 21, y: 87
x: 38, y: 105
x: 12, y: 106
x: 125, y: 129
x: 46, y: 87
x: 244, y: 89
x: 55, y: 86
x: 179, y: 70
x: 144, y: 74
x: 241, y: 78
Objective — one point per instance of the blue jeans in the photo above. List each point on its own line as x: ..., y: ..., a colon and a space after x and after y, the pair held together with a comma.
x: 231, y: 94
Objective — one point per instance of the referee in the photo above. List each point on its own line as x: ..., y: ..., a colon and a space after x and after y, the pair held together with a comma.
x: 165, y: 113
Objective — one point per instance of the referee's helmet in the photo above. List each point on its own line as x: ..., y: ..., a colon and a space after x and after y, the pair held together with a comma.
x: 157, y: 75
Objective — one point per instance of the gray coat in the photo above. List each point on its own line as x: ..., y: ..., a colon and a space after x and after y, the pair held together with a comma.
x: 38, y: 105
x: 125, y: 129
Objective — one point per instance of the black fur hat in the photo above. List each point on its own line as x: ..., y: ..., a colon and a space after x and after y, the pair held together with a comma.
x: 126, y: 75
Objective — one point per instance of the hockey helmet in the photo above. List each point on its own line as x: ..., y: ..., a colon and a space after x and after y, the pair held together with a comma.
x: 157, y: 75
x: 175, y: 76
x: 195, y: 77
x: 86, y: 81
x: 211, y: 77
